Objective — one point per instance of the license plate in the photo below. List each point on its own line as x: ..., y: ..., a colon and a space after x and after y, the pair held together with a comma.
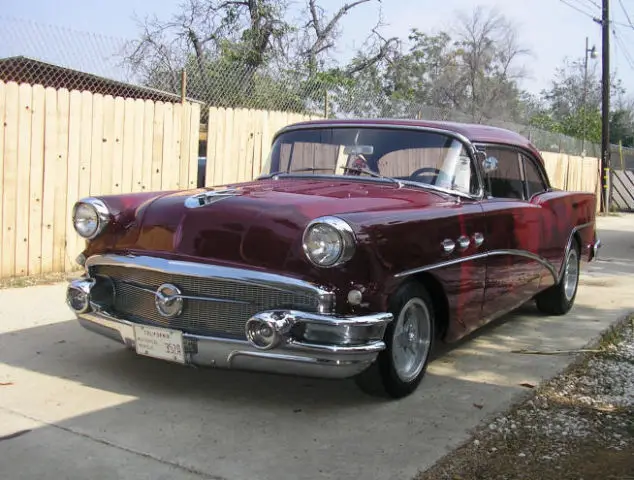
x: 157, y: 342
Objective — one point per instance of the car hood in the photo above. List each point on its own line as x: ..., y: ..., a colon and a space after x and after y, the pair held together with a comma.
x: 259, y: 223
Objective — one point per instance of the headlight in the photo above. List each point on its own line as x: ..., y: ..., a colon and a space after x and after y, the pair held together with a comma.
x: 90, y: 217
x: 328, y: 242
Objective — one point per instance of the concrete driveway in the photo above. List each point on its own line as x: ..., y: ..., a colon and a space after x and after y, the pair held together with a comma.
x: 74, y: 405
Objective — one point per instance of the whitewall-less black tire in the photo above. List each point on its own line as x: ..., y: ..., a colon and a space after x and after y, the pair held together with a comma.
x: 409, y: 339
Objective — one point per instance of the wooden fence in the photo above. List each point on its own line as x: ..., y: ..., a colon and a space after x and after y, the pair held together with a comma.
x: 57, y: 146
x: 570, y: 172
x: 239, y: 140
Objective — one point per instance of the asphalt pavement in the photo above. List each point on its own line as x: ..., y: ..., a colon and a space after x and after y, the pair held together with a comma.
x: 74, y: 405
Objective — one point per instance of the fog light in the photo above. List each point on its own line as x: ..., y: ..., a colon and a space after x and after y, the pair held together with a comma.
x: 78, y: 299
x: 78, y: 294
x: 268, y: 330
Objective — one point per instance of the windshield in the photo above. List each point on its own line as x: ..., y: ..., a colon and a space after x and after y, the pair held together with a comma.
x: 408, y: 155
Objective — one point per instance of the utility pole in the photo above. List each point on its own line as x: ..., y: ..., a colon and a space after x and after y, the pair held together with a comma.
x: 605, y: 108
x: 593, y: 54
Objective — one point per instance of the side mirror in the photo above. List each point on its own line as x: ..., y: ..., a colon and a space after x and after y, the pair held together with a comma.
x: 490, y: 164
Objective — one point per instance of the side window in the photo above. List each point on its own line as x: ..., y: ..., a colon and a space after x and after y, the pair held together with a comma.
x: 534, y: 181
x: 506, y: 180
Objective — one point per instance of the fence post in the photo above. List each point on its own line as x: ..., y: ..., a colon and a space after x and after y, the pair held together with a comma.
x: 326, y: 103
x: 183, y: 85
x: 621, y: 154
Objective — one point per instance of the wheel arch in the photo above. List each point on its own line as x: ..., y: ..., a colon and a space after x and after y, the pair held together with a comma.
x: 439, y: 299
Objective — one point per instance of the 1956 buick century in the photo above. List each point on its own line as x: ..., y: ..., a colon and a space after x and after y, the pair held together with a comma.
x: 362, y: 244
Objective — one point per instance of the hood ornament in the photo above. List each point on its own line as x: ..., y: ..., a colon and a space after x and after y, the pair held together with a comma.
x: 209, y: 197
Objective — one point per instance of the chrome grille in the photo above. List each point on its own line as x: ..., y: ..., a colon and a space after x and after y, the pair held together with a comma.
x: 134, y: 300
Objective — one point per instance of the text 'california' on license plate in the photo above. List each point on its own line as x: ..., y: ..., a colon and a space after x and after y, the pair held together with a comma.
x: 158, y: 342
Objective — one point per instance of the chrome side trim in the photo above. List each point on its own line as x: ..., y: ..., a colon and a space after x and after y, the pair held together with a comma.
x: 435, y: 266
x: 556, y: 273
x: 478, y: 256
x: 194, y: 269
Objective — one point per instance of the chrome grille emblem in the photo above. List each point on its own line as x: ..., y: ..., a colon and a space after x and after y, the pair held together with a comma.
x: 168, y: 300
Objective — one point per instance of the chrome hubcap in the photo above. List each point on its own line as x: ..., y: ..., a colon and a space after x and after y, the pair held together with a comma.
x: 571, y: 275
x: 411, y: 340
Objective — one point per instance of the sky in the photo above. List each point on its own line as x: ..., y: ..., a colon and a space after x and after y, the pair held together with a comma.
x: 550, y: 29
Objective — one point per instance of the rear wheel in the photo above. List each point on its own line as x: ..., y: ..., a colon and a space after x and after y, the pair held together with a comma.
x: 559, y: 299
x: 400, y: 368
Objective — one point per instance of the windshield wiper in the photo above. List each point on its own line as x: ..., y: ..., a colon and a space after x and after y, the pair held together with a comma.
x: 371, y: 173
x: 307, y: 169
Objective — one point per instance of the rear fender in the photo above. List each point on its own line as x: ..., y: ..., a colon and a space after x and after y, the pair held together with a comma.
x: 568, y: 216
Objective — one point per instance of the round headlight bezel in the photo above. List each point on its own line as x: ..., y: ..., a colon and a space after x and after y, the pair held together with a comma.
x: 101, y: 211
x: 347, y: 240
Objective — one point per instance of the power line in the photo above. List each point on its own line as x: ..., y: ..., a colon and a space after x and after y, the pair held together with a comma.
x: 623, y: 48
x: 627, y: 15
x: 594, y: 3
x: 574, y: 7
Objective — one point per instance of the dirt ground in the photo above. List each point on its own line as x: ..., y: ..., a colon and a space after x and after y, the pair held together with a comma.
x: 580, y: 425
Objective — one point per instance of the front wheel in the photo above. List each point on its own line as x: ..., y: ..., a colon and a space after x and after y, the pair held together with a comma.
x: 559, y: 299
x: 409, y: 338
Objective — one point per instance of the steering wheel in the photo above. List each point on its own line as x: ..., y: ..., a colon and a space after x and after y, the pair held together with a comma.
x: 425, y: 171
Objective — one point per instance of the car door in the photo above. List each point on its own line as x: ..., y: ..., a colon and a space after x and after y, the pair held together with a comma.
x: 513, y: 226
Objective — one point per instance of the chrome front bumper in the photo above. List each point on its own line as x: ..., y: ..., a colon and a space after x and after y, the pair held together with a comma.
x: 278, y: 341
x: 293, y: 358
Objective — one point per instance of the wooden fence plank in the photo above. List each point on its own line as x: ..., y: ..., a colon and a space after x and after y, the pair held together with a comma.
x: 117, y: 158
x: 168, y: 159
x: 138, y: 112
x: 228, y: 144
x: 61, y: 180
x: 148, y: 145
x: 36, y: 188
x: 256, y: 167
x: 85, y: 144
x: 73, y: 245
x: 10, y: 187
x: 177, y: 164
x: 212, y: 146
x: 184, y: 145
x: 2, y: 162
x: 217, y: 131
x: 48, y: 198
x: 157, y: 146
x: 247, y: 172
x: 194, y: 128
x: 128, y: 160
x: 25, y: 120
x: 107, y: 147
x: 96, y: 148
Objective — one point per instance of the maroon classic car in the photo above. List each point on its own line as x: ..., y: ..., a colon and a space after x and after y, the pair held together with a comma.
x: 362, y: 244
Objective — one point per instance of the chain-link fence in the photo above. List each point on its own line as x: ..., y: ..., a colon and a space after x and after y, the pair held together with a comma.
x: 63, y: 58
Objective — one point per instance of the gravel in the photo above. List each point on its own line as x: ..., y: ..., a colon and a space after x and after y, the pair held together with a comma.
x: 579, y: 425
